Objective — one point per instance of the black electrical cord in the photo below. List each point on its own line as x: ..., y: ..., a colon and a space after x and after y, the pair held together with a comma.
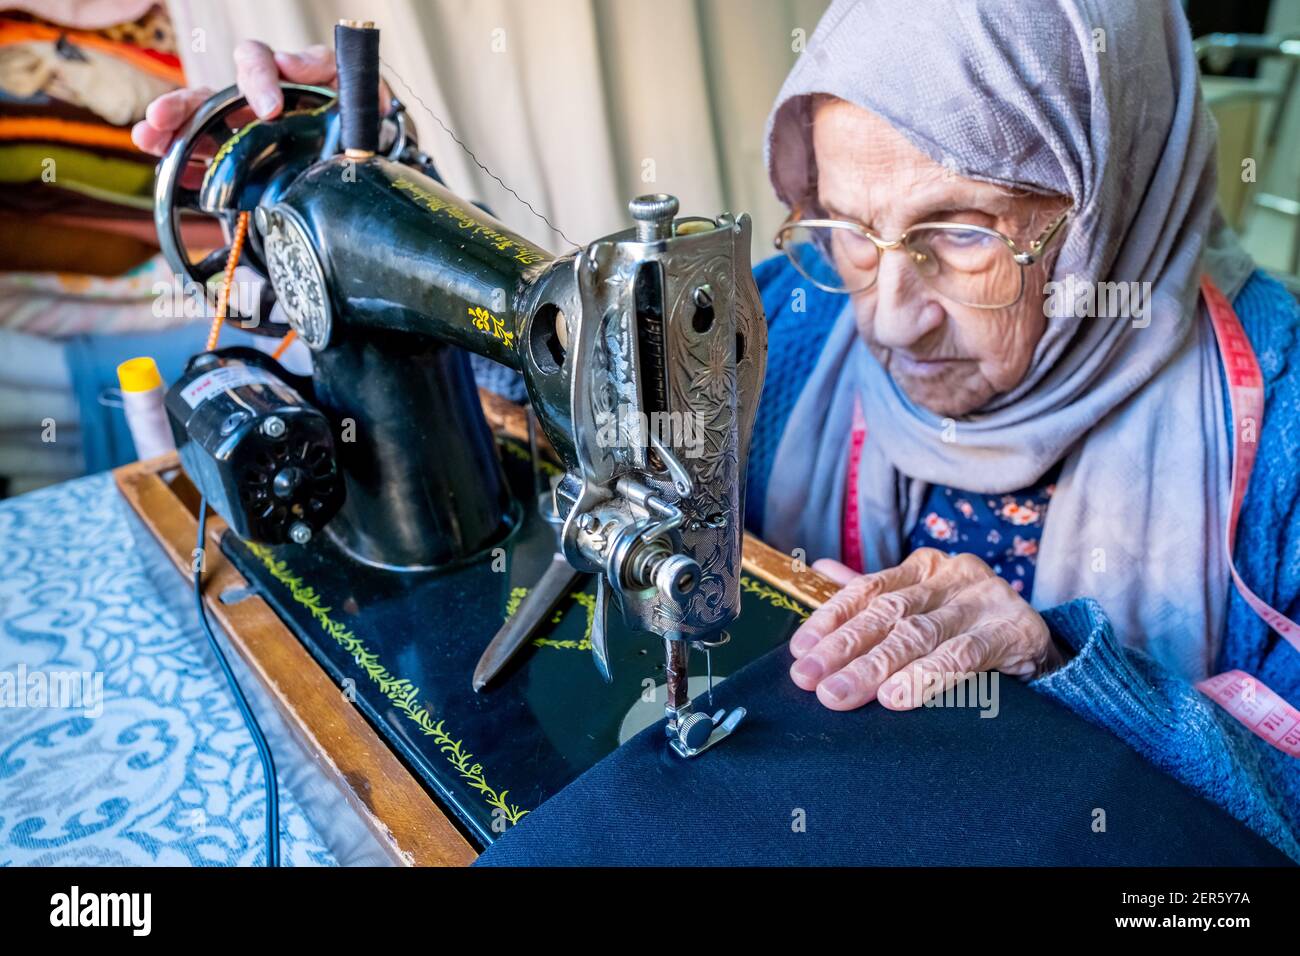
x: 254, y: 728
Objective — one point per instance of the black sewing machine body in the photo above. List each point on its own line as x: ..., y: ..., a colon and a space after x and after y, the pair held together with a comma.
x: 370, y: 503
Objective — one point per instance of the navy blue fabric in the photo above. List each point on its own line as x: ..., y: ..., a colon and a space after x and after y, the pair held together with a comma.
x: 878, y: 787
x: 1172, y: 724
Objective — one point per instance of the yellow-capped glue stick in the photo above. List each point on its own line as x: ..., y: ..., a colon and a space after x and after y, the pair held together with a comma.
x: 142, y: 399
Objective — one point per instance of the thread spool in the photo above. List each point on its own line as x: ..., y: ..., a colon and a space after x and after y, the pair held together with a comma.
x: 356, y: 52
x: 142, y: 400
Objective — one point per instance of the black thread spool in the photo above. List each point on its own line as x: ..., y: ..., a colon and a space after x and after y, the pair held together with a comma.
x: 356, y: 52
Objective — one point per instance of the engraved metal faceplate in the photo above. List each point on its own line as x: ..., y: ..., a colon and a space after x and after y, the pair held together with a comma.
x: 296, y: 275
x: 712, y: 373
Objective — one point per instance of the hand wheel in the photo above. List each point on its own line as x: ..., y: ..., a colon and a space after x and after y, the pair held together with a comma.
x: 185, y: 186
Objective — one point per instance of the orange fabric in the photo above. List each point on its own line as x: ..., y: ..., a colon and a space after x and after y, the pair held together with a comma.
x: 66, y: 131
x: 164, y: 65
x: 33, y: 245
x: 195, y: 232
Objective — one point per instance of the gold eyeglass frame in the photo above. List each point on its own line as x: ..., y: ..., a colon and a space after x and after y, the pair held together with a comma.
x: 1023, y: 257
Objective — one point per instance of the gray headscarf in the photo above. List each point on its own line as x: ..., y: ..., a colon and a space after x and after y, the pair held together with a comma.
x: 1100, y: 102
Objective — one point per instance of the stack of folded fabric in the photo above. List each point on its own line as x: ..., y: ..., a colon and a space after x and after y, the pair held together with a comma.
x: 79, y: 262
x: 70, y: 177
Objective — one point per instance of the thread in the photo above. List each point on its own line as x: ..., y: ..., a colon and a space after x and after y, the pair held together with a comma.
x: 356, y: 50
x: 477, y: 162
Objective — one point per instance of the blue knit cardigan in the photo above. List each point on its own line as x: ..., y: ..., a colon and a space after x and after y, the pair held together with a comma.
x: 1163, y: 718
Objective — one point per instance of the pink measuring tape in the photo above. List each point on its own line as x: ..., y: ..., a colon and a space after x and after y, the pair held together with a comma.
x: 1246, y: 698
x: 852, y: 530
x: 1262, y: 711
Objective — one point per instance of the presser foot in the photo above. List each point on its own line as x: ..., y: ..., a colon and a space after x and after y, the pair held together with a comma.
x: 689, y: 735
x: 692, y: 732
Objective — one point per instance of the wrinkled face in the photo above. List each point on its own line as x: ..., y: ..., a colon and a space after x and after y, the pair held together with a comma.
x: 947, y: 357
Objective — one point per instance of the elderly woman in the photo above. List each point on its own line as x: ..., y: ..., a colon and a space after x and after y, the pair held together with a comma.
x: 1031, y: 484
x: 1009, y: 465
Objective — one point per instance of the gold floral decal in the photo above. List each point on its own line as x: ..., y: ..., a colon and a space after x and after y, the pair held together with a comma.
x: 588, y: 603
x: 512, y: 603
x: 772, y: 596
x: 485, y: 321
x: 749, y: 585
x: 401, y: 693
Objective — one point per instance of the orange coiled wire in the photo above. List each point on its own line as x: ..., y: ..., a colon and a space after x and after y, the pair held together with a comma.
x: 284, y: 344
x: 228, y: 280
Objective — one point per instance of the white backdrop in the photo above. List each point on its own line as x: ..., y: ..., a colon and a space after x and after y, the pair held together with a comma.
x: 577, y: 104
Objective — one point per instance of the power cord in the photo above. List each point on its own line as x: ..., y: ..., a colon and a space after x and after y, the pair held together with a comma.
x: 254, y: 728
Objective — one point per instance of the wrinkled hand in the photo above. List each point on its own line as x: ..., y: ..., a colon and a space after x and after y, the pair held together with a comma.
x: 259, y: 72
x: 925, y: 624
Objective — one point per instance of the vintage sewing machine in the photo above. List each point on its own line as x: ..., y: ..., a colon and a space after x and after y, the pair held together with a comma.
x: 371, y: 504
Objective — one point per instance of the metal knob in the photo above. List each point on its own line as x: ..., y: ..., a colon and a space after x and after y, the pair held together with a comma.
x: 654, y: 215
x: 676, y: 576
x: 287, y: 481
x: 695, y: 729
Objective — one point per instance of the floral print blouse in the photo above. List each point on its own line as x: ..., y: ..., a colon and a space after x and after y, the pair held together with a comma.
x: 1003, y: 530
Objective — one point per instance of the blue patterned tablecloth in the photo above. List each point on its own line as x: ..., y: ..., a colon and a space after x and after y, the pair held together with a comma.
x: 161, y: 771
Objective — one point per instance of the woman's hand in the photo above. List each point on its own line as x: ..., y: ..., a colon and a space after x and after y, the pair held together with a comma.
x: 259, y: 70
x: 922, y: 626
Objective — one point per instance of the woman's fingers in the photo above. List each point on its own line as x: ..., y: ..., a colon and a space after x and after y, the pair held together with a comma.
x: 261, y: 69
x: 171, y: 111
x: 149, y: 139
x: 842, y: 645
x: 910, y: 632
x: 939, y: 582
x: 849, y: 601
x: 164, y: 116
x: 258, y: 72
x: 841, y: 574
x: 911, y: 639
x: 864, y: 630
x: 855, y: 596
x: 316, y: 65
x: 313, y: 65
x: 258, y: 78
x: 977, y: 649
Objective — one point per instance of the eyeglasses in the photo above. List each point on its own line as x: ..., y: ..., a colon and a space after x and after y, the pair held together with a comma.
x: 971, y: 265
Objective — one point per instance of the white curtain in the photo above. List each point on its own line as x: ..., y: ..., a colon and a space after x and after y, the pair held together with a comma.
x: 578, y: 105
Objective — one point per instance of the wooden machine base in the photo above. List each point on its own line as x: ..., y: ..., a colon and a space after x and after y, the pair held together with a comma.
x: 351, y: 769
